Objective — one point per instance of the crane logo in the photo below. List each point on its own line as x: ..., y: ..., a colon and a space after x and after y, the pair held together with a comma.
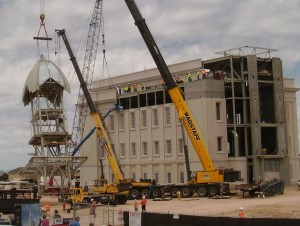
x: 192, y: 126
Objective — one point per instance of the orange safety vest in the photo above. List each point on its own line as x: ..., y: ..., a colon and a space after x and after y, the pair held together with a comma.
x: 47, y: 207
x: 241, y: 213
x: 144, y: 202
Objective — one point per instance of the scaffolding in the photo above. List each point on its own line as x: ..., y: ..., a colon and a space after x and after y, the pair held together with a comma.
x: 50, y: 165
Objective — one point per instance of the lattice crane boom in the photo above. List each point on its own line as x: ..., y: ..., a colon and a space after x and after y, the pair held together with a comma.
x: 87, y: 72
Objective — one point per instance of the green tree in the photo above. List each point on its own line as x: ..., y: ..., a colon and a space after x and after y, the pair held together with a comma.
x: 4, y: 177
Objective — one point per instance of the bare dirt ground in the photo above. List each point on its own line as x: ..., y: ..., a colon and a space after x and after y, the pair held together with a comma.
x: 280, y: 206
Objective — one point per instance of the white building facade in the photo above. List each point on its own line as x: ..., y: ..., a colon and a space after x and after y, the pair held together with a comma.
x: 147, y: 135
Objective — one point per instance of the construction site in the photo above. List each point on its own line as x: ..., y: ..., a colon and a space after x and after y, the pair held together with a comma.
x: 202, y: 137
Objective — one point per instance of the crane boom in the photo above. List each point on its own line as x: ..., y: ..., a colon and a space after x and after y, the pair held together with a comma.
x: 173, y: 89
x: 87, y: 73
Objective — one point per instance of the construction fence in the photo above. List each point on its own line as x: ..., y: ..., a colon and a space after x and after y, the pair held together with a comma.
x: 150, y: 219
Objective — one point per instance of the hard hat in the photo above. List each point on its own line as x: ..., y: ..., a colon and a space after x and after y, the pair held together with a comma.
x: 241, y: 208
x: 92, y: 200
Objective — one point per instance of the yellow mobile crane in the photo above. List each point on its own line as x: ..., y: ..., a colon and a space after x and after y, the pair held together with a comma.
x: 116, y: 192
x: 208, y: 181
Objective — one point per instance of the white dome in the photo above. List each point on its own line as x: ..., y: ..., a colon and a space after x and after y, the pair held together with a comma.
x: 42, y: 72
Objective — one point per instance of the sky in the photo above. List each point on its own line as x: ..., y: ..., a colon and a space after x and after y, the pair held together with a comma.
x: 184, y: 30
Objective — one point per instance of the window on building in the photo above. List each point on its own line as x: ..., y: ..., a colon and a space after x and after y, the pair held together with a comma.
x: 133, y: 176
x: 218, y: 110
x: 145, y: 175
x: 155, y: 117
x: 132, y: 117
x: 133, y: 149
x: 169, y: 178
x: 111, y: 122
x: 145, y: 148
x: 168, y: 147
x: 156, y: 176
x: 122, y: 121
x: 112, y: 177
x: 272, y: 165
x: 122, y: 150
x: 219, y: 141
x: 181, y: 177
x: 167, y: 116
x: 180, y: 146
x: 144, y: 119
x: 156, y: 147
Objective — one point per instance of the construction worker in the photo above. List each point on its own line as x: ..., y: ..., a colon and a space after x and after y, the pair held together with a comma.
x: 119, y: 90
x: 86, y: 187
x: 129, y: 88
x: 181, y: 80
x: 198, y: 73
x: 125, y: 89
x: 142, y: 86
x: 259, y: 180
x: 134, y: 87
x: 56, y: 214
x: 178, y: 194
x: 163, y: 83
x: 177, y: 79
x: 136, y: 205
x: 64, y: 205
x: 48, y: 207
x: 241, y: 212
x: 190, y: 77
x: 144, y: 203
x: 93, y: 207
x: 203, y: 71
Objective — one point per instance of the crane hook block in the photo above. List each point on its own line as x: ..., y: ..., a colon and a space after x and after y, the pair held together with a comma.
x: 42, y: 17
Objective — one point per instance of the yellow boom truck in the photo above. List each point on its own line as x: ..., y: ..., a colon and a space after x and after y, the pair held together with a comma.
x: 210, y: 181
x: 122, y: 189
x: 114, y: 193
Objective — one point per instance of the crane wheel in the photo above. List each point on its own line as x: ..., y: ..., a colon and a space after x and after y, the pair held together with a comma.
x: 212, y: 191
x: 134, y: 194
x: 85, y: 201
x: 186, y: 193
x: 174, y: 192
x: 202, y: 192
x: 145, y: 193
x: 156, y: 193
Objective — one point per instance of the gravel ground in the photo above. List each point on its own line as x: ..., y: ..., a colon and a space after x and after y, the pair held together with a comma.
x: 280, y: 206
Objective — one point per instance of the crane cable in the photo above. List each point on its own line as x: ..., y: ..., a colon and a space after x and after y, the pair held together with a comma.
x: 42, y: 25
x: 104, y: 60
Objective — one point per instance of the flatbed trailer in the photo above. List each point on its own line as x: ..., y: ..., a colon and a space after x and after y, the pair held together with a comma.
x: 248, y: 188
x: 268, y: 188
